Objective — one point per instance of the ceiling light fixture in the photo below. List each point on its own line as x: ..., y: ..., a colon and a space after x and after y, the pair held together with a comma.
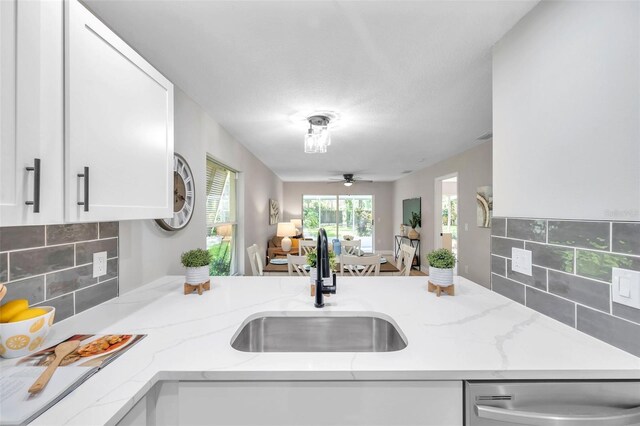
x: 348, y: 179
x: 318, y: 137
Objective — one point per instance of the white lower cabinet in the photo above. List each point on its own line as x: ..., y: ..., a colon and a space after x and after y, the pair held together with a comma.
x: 301, y: 403
x: 86, y: 124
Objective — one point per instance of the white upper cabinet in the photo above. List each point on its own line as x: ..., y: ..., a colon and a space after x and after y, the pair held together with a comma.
x: 31, y: 112
x: 76, y: 100
x: 118, y: 126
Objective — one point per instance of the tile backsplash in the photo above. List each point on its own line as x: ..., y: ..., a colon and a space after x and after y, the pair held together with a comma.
x: 571, y: 273
x: 53, y: 265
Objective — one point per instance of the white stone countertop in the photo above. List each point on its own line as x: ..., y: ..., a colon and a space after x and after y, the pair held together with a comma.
x: 476, y: 334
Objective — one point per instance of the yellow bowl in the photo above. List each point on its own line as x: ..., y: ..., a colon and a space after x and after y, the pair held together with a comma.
x: 21, y: 338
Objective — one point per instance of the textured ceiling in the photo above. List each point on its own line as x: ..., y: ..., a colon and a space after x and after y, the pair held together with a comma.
x: 411, y: 80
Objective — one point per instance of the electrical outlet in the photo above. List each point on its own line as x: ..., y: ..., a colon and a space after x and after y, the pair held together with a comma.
x: 99, y: 264
x: 521, y: 261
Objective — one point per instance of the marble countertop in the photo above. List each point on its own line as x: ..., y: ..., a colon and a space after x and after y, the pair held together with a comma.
x: 476, y: 334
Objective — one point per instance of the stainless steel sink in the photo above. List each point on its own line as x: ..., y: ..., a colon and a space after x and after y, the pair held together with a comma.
x: 305, y: 332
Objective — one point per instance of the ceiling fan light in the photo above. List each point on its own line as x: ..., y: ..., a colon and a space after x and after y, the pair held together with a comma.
x: 348, y: 183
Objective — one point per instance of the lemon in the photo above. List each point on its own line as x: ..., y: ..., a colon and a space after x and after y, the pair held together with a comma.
x: 11, y: 309
x: 28, y: 314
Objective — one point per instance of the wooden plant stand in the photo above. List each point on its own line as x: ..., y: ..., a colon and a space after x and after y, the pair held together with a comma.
x: 434, y: 288
x: 205, y: 286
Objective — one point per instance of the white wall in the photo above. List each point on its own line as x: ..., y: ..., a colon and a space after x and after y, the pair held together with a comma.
x: 147, y: 252
x: 382, y: 198
x: 474, y: 169
x: 566, y: 119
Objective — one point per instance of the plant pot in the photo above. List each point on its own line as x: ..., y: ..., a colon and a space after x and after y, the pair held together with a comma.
x: 313, y: 275
x: 441, y: 277
x: 413, y: 234
x: 197, y: 275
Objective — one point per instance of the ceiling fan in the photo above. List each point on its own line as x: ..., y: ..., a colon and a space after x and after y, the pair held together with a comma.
x: 349, y: 179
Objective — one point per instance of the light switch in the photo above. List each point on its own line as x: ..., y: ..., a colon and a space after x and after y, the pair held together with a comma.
x: 626, y: 287
x: 521, y: 261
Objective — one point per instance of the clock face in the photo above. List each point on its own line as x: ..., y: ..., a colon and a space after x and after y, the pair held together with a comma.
x: 183, y: 196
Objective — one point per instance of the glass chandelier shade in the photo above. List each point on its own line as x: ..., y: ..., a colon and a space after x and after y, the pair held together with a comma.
x: 318, y: 137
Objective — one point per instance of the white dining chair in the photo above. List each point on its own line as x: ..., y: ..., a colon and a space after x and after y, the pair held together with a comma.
x: 297, y: 264
x: 405, y: 259
x: 351, y: 247
x: 306, y: 246
x: 255, y: 260
x: 360, y: 266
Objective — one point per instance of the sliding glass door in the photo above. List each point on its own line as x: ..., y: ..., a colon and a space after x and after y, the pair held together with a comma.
x: 339, y: 215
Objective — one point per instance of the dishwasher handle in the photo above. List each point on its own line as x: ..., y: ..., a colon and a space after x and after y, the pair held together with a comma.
x: 625, y: 417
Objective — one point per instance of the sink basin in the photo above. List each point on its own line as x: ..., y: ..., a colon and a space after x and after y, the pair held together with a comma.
x: 306, y: 332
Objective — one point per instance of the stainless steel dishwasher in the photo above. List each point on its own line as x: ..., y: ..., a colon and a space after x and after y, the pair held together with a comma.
x: 563, y: 403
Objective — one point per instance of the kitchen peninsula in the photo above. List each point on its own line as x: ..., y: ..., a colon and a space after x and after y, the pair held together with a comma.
x: 475, y: 335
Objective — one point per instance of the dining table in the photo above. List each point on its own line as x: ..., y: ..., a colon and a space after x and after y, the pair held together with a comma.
x: 281, y: 267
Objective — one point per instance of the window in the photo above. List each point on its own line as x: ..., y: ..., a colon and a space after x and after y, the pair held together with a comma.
x: 221, y: 218
x: 339, y: 215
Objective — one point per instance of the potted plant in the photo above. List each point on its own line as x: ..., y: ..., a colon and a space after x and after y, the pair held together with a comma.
x: 312, y: 260
x: 441, y: 263
x: 197, y: 263
x: 414, y: 222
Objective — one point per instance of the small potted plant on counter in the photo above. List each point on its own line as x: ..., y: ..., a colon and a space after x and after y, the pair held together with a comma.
x: 415, y: 221
x: 441, y: 263
x: 197, y: 263
x: 312, y: 261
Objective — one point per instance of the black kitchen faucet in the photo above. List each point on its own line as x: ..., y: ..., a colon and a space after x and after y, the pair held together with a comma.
x: 323, y: 269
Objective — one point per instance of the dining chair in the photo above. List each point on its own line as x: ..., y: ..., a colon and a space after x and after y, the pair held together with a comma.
x: 306, y: 246
x: 351, y: 247
x: 297, y: 264
x: 405, y: 259
x: 255, y: 260
x: 360, y: 266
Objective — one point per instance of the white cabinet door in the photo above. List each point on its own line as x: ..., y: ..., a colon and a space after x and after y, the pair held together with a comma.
x: 31, y: 112
x: 118, y: 126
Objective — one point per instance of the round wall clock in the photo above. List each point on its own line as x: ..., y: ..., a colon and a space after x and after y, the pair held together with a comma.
x: 184, y: 196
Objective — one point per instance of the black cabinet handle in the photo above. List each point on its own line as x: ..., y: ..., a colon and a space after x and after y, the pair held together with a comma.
x: 85, y: 175
x: 36, y: 185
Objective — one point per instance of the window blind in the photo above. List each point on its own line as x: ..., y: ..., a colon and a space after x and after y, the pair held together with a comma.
x: 220, y: 194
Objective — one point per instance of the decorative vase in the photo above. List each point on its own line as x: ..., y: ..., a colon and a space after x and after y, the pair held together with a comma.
x: 413, y: 234
x: 441, y: 277
x: 197, y: 275
x: 402, y: 230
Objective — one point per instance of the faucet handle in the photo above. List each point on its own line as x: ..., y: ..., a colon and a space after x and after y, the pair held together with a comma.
x: 312, y: 291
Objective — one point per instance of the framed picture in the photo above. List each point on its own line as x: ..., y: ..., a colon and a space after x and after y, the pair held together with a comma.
x: 274, y: 212
x: 484, y: 197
